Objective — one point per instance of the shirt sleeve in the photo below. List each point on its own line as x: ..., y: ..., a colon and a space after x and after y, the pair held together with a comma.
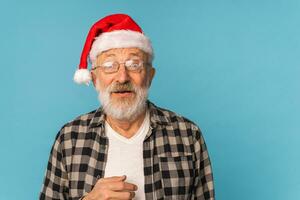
x: 204, y: 186
x: 55, y: 184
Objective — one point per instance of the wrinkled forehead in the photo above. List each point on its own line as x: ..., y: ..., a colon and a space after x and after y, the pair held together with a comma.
x: 122, y: 53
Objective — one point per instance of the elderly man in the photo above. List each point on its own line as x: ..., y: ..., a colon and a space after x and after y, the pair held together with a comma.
x: 128, y: 148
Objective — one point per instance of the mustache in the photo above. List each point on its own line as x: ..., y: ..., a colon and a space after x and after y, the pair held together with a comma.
x: 122, y: 87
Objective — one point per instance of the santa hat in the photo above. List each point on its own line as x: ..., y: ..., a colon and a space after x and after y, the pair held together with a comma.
x: 113, y: 31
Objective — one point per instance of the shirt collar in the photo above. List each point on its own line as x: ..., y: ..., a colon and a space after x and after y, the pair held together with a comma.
x: 98, y: 119
x: 157, y: 116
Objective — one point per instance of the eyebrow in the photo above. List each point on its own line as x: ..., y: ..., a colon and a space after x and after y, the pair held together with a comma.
x: 134, y: 54
x: 109, y: 55
x: 131, y: 54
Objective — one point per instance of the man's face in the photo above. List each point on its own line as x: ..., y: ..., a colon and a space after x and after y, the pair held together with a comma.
x: 123, y: 92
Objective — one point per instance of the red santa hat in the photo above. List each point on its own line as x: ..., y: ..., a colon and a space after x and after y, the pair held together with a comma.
x: 113, y: 31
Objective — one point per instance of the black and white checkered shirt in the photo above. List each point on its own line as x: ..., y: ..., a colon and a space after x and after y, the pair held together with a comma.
x: 176, y: 161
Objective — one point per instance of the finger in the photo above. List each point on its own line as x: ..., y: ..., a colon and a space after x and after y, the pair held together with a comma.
x: 122, y: 186
x: 112, y: 179
x: 122, y: 195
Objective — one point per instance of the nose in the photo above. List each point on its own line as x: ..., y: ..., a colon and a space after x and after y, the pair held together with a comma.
x: 122, y: 74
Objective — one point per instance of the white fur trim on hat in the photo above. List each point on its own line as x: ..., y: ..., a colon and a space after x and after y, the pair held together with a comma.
x: 120, y: 39
x: 82, y: 76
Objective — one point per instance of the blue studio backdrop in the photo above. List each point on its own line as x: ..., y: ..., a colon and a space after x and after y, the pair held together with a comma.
x: 233, y: 67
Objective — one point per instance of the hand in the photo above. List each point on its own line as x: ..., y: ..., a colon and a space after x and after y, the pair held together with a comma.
x: 112, y: 188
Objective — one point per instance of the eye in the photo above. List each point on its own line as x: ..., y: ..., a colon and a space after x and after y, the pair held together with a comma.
x: 108, y: 64
x: 133, y: 64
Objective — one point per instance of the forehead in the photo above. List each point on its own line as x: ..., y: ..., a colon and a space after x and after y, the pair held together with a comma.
x: 122, y: 52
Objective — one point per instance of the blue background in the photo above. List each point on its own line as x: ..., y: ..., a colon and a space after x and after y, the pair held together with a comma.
x: 231, y: 66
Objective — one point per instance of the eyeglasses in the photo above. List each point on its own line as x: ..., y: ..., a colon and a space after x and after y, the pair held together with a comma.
x: 132, y: 65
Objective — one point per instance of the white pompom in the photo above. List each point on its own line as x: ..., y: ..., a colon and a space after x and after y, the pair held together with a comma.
x: 82, y: 76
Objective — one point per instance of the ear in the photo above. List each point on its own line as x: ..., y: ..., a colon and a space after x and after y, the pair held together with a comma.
x: 93, y: 78
x: 151, y: 75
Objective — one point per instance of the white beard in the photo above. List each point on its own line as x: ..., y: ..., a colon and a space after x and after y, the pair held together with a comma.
x: 129, y: 109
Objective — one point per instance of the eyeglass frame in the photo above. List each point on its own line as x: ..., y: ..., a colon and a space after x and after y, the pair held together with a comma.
x: 142, y: 64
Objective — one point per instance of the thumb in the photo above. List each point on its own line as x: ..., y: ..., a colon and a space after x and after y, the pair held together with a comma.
x: 123, y: 178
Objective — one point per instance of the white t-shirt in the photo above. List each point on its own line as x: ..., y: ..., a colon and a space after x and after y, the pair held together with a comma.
x: 125, y: 156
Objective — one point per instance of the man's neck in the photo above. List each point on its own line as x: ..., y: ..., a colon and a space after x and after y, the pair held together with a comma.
x: 126, y: 128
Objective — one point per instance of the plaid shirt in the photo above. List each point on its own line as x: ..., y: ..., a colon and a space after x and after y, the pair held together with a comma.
x: 176, y: 161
